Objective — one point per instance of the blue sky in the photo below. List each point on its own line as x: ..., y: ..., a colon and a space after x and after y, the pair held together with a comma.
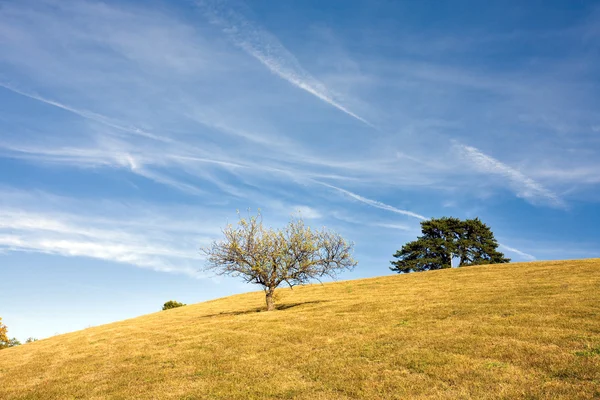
x: 131, y: 132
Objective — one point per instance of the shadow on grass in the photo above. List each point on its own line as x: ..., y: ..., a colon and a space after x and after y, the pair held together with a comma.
x: 278, y: 307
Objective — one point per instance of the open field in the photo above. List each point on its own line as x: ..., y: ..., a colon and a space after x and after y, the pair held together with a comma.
x: 506, y: 331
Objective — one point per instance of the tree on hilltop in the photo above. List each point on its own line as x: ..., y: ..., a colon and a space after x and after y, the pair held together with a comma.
x: 3, y: 334
x: 470, y: 241
x: 4, y: 340
x: 293, y: 255
x: 172, y: 304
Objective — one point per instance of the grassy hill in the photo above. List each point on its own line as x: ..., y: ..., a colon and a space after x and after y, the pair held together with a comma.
x: 512, y: 331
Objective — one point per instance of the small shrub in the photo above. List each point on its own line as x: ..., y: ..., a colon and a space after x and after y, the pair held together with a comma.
x: 172, y: 304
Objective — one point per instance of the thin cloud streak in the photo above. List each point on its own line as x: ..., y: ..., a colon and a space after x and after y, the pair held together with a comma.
x: 373, y: 203
x: 268, y: 50
x: 224, y: 145
x: 519, y: 252
x: 393, y: 226
x: 524, y: 186
x: 86, y: 114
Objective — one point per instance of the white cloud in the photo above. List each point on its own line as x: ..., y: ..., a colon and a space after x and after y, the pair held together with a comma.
x: 163, y: 238
x: 199, y: 138
x: 138, y: 255
x: 266, y: 48
x: 145, y: 236
x: 527, y: 256
x: 307, y: 212
x: 400, y: 227
x: 581, y: 175
x: 86, y: 114
x: 524, y: 186
x: 146, y: 93
x: 374, y: 203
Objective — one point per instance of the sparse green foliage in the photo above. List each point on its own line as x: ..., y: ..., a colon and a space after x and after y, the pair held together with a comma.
x: 172, y: 304
x: 9, y: 343
x: 267, y: 257
x: 31, y: 339
x: 471, y: 241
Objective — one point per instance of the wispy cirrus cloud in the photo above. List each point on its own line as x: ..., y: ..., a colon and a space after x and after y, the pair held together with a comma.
x: 163, y: 238
x: 266, y: 48
x: 524, y: 186
x: 86, y: 114
x: 216, y: 129
x: 526, y: 256
x: 373, y: 203
x: 159, y: 96
x: 25, y: 228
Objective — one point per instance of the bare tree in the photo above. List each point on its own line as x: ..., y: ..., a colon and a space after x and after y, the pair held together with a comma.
x: 267, y: 257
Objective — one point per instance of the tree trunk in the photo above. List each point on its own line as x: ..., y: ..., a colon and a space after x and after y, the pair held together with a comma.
x: 270, y: 300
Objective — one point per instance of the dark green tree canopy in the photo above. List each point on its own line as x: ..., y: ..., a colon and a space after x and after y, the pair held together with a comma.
x: 172, y: 304
x: 470, y: 241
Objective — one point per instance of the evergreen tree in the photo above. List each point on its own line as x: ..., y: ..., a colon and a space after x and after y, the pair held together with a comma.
x: 471, y: 241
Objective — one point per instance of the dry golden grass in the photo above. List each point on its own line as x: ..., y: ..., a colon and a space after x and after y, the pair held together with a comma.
x: 510, y: 331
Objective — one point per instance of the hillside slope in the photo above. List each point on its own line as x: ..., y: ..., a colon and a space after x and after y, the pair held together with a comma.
x: 528, y: 330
